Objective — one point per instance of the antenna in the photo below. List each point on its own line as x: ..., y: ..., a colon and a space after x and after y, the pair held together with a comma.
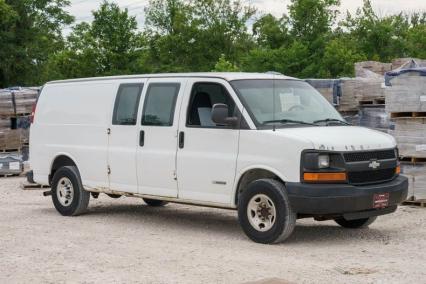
x: 273, y: 101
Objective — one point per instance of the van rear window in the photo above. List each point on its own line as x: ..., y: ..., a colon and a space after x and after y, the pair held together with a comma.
x: 126, y: 104
x: 160, y: 104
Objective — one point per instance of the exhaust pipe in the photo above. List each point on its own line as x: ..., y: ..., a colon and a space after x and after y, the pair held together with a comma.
x: 47, y: 193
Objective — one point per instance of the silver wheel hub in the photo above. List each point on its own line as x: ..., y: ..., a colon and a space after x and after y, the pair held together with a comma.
x: 65, y: 191
x: 261, y: 212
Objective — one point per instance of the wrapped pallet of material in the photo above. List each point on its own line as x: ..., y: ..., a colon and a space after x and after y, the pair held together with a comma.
x: 361, y: 91
x: 10, y: 163
x: 406, y: 91
x: 374, y: 117
x: 373, y: 66
x: 17, y: 101
x: 410, y: 134
x: 416, y: 174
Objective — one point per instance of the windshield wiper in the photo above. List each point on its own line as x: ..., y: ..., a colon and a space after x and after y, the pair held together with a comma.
x: 332, y: 120
x: 286, y: 121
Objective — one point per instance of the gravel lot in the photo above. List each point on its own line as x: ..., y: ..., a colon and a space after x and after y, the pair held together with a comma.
x: 123, y: 241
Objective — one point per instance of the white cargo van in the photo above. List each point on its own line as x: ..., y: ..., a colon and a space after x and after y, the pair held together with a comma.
x: 267, y: 145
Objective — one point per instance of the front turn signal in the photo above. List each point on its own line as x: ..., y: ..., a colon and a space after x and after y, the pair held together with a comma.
x: 398, y: 170
x: 324, y: 177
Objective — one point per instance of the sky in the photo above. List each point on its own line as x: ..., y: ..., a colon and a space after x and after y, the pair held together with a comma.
x: 81, y: 9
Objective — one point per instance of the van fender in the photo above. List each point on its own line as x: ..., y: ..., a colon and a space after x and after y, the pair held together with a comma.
x: 68, y: 155
x: 241, y: 173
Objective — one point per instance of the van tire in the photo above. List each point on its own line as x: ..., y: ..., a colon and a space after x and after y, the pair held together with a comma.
x: 79, y: 201
x: 154, y: 202
x: 355, y: 224
x: 274, y: 192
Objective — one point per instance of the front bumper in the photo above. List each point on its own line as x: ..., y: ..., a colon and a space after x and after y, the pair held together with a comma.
x: 345, y: 199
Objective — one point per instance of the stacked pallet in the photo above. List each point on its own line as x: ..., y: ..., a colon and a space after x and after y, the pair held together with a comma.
x: 361, y: 91
x: 12, y: 139
x: 17, y: 102
x: 15, y: 110
x: 406, y: 105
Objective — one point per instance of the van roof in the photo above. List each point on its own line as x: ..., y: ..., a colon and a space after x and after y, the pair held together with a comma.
x: 229, y: 76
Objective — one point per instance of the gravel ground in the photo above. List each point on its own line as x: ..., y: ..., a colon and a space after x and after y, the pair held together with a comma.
x: 123, y: 241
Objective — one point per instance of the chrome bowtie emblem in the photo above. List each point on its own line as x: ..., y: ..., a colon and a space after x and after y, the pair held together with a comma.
x: 374, y: 165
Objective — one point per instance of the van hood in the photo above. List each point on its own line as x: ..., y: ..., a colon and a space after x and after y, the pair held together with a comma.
x: 342, y: 138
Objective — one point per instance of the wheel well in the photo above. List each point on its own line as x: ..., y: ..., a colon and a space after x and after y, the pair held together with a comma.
x: 251, y: 176
x: 60, y: 161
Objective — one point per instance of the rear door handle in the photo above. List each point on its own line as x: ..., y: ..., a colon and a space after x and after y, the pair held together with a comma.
x: 142, y: 138
x: 181, y: 139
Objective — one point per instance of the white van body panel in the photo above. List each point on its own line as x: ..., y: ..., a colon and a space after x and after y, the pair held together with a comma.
x: 72, y: 120
x: 343, y: 138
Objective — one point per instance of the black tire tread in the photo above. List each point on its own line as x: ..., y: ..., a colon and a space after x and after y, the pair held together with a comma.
x: 289, y: 221
x: 83, y: 195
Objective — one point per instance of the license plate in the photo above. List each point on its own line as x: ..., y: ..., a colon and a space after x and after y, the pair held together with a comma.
x: 381, y: 200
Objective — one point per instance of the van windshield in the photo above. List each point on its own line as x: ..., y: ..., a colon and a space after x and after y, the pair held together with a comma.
x: 285, y: 102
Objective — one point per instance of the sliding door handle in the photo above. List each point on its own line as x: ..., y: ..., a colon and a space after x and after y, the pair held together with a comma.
x: 181, y: 139
x: 142, y: 138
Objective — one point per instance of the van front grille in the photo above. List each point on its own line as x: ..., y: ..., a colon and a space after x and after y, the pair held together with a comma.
x: 369, y: 155
x: 371, y: 176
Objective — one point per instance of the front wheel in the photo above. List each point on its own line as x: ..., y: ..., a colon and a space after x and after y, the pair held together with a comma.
x: 264, y: 212
x: 355, y: 224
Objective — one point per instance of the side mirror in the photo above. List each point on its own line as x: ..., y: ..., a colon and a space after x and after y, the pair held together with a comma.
x: 220, y: 115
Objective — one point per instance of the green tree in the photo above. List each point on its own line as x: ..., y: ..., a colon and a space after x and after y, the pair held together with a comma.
x: 381, y: 39
x: 271, y: 32
x: 31, y: 31
x: 192, y: 35
x: 224, y: 65
x: 311, y: 23
x: 290, y: 60
x: 110, y: 45
x: 339, y: 58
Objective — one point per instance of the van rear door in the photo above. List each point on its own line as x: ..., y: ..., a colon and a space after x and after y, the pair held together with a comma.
x: 123, y: 137
x: 158, y: 129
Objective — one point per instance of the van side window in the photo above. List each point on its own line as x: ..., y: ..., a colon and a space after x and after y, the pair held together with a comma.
x: 160, y: 102
x: 203, y: 97
x: 126, y: 104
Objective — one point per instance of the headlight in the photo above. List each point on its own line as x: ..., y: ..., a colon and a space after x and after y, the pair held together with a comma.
x: 323, y: 167
x: 323, y: 161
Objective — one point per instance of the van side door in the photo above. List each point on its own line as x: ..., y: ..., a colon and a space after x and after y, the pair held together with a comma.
x: 207, y: 155
x: 158, y: 137
x: 123, y: 137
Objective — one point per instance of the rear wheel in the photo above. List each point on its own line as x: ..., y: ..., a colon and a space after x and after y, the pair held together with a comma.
x: 68, y: 194
x: 355, y: 224
x: 264, y: 212
x: 154, y: 202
